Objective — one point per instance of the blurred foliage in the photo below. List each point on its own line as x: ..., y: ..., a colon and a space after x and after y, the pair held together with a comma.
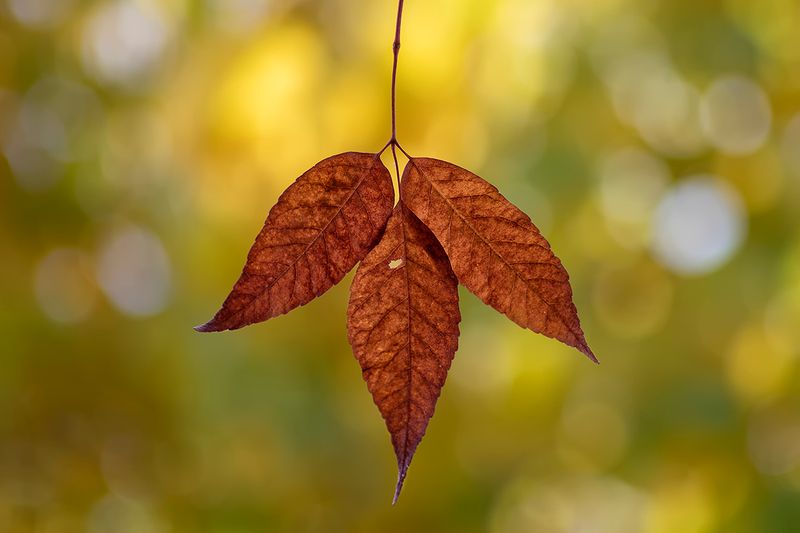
x: 656, y: 143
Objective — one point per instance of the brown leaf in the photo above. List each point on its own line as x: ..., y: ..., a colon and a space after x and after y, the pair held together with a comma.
x: 322, y: 225
x: 494, y: 249
x: 403, y: 325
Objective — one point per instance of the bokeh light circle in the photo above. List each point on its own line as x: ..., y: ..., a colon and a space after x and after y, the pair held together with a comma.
x: 134, y: 272
x: 632, y: 181
x: 238, y: 16
x: 64, y: 288
x: 596, y: 504
x: 124, y: 40
x: 698, y: 225
x: 736, y: 115
x: 39, y: 13
x: 651, y: 95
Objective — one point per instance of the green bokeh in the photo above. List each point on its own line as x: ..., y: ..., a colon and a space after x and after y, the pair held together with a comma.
x: 142, y: 143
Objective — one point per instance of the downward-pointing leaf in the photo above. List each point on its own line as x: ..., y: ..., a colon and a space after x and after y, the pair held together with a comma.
x: 403, y: 325
x: 322, y: 225
x: 494, y: 249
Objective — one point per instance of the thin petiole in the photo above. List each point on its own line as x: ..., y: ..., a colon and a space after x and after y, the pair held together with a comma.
x: 396, y: 166
x: 396, y: 54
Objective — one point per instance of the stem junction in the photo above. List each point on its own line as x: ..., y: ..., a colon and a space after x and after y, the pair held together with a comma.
x: 396, y: 54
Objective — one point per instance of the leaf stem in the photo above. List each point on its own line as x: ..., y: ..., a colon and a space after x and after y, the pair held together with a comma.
x: 396, y: 53
x: 396, y: 167
x: 401, y: 149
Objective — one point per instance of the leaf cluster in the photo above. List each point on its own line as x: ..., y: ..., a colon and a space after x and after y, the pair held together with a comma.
x: 449, y: 226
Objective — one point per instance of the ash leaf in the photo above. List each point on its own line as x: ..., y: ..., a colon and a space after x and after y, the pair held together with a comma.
x: 402, y: 323
x: 322, y: 225
x: 494, y: 249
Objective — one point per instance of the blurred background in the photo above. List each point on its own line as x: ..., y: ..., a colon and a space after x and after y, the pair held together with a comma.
x: 655, y: 143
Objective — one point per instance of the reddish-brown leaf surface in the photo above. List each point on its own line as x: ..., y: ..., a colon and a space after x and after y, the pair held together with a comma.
x: 403, y: 325
x: 494, y: 249
x: 322, y: 225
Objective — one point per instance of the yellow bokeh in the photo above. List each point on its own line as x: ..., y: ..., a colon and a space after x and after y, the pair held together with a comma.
x: 758, y: 370
x: 683, y: 504
x: 654, y: 144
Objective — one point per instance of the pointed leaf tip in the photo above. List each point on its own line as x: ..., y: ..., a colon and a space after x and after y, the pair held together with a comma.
x: 585, y: 350
x: 402, y: 323
x: 208, y: 327
x: 401, y: 478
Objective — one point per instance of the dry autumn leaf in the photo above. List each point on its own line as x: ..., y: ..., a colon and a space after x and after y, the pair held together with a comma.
x: 322, y: 225
x: 403, y: 325
x: 449, y: 226
x: 494, y: 248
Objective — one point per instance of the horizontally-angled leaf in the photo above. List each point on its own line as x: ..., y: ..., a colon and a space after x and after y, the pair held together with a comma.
x: 403, y: 325
x: 322, y: 225
x: 494, y: 249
